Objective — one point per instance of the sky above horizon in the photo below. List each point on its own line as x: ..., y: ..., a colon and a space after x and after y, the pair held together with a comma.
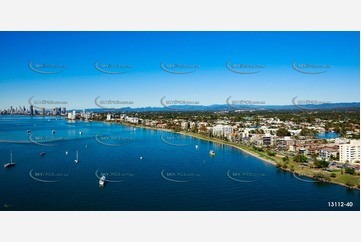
x: 77, y: 82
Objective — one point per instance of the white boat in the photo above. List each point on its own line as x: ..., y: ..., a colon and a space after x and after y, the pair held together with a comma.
x: 66, y: 152
x: 212, y: 153
x: 77, y: 157
x: 102, y: 181
x: 196, y: 146
x: 11, y: 164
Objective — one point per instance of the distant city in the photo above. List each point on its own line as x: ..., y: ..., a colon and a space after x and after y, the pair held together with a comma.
x: 33, y: 111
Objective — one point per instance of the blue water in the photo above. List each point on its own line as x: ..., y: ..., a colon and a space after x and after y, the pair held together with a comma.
x: 327, y: 135
x: 146, y: 170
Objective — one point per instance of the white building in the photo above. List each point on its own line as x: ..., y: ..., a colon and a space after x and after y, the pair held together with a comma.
x: 295, y: 131
x: 185, y: 125
x: 72, y: 115
x: 109, y: 116
x: 350, y: 152
x: 221, y: 130
x: 326, y: 153
x: 133, y: 120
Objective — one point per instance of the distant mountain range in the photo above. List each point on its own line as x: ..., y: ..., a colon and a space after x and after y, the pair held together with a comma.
x: 226, y: 107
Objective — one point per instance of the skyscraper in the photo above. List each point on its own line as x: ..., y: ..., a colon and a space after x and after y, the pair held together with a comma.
x: 350, y: 152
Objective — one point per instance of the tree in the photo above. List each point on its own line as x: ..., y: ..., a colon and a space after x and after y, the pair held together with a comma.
x: 300, y: 158
x: 270, y: 153
x: 308, y: 132
x: 320, y: 163
x: 349, y: 170
x: 314, y: 156
x: 286, y: 158
x: 283, y: 132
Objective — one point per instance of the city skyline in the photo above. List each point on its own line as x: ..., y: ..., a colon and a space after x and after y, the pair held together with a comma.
x: 142, y: 67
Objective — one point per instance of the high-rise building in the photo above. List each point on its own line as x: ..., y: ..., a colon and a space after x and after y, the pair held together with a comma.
x: 31, y: 110
x: 350, y: 152
x: 72, y: 115
x: 109, y: 117
x: 55, y: 111
x: 222, y: 130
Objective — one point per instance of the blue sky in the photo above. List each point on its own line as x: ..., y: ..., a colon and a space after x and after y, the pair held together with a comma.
x: 145, y: 84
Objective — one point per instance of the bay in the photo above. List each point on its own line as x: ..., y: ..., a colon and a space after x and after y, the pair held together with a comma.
x: 146, y: 170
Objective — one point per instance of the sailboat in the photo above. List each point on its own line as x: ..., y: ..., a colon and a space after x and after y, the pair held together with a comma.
x: 11, y: 164
x: 77, y: 157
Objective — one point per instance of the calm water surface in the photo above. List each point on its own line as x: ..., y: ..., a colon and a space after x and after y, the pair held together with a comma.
x: 145, y: 170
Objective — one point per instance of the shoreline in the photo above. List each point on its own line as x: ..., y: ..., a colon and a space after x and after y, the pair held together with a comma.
x: 201, y: 137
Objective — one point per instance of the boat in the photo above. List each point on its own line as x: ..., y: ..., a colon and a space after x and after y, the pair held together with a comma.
x: 28, y: 131
x: 212, y: 153
x: 11, y: 164
x: 102, y: 181
x: 66, y: 152
x: 80, y: 132
x: 77, y: 157
x: 53, y: 132
x: 196, y: 146
x: 42, y: 153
